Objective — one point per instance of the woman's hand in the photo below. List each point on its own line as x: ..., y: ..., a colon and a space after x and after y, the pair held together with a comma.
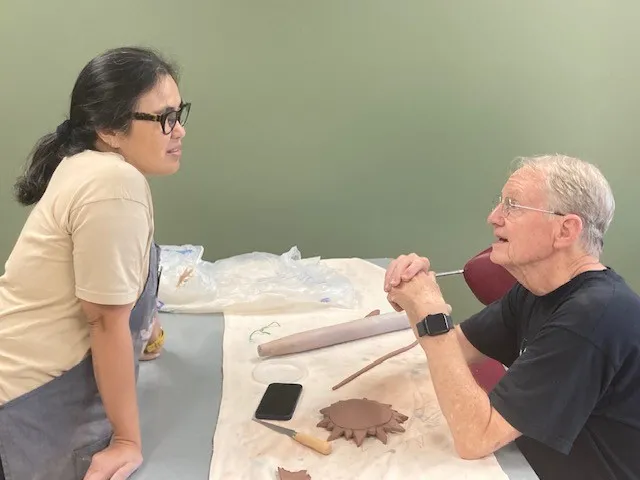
x: 155, y: 343
x: 116, y: 462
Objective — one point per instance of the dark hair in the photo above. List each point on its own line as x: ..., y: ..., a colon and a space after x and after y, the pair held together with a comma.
x: 103, y: 98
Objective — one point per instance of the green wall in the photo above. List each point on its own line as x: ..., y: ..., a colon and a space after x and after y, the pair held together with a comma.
x: 349, y: 128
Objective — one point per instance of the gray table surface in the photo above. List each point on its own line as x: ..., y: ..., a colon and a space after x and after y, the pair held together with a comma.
x: 180, y: 394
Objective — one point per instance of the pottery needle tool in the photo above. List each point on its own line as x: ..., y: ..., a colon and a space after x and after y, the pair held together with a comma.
x: 316, y: 444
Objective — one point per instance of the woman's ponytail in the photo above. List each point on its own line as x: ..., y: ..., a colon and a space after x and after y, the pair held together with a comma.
x: 45, y: 158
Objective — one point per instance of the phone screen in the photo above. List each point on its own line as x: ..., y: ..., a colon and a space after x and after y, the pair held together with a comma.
x: 279, y: 401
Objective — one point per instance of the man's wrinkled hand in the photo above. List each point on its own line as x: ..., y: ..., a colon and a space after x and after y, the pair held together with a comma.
x: 116, y: 462
x: 403, y: 269
x: 417, y: 296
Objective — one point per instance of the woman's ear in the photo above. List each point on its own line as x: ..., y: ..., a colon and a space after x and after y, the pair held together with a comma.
x: 110, y: 139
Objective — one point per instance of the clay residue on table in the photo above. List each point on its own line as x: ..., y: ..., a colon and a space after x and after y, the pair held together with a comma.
x: 360, y: 417
x: 287, y: 475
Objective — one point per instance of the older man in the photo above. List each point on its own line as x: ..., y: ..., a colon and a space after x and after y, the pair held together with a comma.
x: 568, y: 331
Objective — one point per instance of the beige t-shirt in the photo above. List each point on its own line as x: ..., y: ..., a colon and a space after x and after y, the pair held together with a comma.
x: 88, y: 238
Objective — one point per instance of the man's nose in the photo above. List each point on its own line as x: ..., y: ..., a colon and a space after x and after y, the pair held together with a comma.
x: 496, y: 216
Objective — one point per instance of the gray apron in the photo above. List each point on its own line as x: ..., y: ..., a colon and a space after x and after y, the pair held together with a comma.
x: 53, y: 431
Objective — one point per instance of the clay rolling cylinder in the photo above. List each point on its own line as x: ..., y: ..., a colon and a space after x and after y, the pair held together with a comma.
x: 335, y: 334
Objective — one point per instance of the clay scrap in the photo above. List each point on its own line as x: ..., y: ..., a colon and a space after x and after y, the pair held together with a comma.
x: 287, y: 475
x: 373, y: 364
x: 358, y: 418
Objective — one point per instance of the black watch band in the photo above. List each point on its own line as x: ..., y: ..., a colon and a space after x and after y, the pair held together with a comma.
x: 435, y: 324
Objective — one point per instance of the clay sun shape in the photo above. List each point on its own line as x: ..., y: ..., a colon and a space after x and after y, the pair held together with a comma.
x: 358, y: 418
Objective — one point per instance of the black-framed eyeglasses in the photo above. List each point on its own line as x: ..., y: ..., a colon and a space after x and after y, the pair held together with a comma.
x: 169, y: 119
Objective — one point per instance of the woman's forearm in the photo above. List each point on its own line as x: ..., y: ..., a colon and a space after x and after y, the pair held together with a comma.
x: 113, y: 364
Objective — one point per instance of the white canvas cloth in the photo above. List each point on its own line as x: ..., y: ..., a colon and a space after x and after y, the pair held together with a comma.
x: 244, y: 449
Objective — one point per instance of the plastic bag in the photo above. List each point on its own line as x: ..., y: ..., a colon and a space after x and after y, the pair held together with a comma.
x: 248, y: 283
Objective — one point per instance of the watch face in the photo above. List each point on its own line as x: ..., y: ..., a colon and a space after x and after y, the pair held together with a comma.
x: 437, y: 324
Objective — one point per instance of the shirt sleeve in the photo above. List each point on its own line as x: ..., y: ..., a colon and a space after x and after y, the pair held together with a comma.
x: 493, y: 332
x: 111, y: 241
x: 552, y: 388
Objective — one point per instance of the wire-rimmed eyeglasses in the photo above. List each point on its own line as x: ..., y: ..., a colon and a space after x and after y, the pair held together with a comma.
x: 508, y: 205
x: 168, y: 119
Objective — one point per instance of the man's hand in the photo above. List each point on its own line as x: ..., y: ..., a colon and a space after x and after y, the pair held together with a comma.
x: 116, y: 462
x: 403, y: 269
x: 419, y: 296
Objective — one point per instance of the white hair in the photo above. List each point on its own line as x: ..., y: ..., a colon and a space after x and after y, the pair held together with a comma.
x: 578, y: 187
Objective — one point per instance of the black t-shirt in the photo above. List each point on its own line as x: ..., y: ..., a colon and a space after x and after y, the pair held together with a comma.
x: 572, y: 386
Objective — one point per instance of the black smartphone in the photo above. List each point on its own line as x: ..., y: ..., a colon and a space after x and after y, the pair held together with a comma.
x: 279, y: 401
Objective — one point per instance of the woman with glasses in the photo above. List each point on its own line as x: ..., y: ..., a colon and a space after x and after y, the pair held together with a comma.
x: 78, y: 296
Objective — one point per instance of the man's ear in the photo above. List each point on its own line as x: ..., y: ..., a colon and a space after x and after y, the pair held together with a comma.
x: 570, y: 230
x: 110, y: 138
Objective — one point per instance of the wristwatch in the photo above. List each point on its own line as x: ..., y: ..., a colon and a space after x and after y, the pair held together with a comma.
x: 435, y: 324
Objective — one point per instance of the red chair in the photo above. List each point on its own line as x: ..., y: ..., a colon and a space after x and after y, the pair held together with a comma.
x: 488, y: 282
